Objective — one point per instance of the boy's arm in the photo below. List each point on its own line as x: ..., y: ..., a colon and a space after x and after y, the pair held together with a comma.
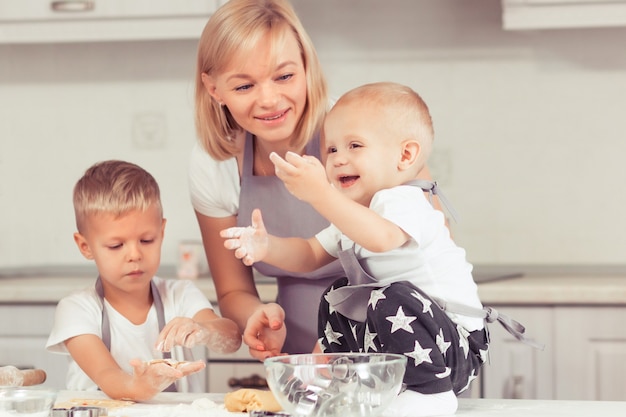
x: 306, y: 179
x: 96, y: 361
x: 253, y: 244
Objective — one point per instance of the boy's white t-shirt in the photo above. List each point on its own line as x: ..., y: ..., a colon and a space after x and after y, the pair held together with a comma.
x: 81, y: 313
x: 430, y: 260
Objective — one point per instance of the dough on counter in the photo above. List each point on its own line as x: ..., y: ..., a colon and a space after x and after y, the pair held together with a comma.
x: 107, y: 403
x: 249, y: 399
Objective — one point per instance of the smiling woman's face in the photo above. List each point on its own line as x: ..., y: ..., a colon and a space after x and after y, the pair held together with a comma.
x: 264, y: 90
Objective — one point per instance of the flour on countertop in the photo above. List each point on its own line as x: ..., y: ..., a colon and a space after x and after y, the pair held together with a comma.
x: 202, y: 407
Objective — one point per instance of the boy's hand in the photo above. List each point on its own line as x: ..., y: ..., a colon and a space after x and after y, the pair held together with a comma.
x: 182, y: 331
x: 152, y: 378
x: 265, y: 331
x: 250, y: 243
x: 304, y: 176
x: 186, y: 332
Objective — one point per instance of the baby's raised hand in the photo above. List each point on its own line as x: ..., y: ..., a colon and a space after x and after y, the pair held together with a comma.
x: 304, y: 176
x: 249, y: 243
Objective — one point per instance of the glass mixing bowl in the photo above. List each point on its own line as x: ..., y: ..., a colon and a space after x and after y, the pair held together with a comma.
x: 335, y: 384
x: 26, y: 402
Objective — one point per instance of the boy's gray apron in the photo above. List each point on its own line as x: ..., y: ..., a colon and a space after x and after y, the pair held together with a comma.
x: 158, y: 306
x: 351, y: 301
x: 284, y: 215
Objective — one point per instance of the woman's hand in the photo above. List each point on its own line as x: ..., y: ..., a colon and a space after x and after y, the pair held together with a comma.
x: 265, y: 331
x: 249, y: 243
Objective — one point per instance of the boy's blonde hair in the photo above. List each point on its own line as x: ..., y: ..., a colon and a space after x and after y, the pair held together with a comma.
x: 114, y: 187
x: 407, y: 111
x: 232, y: 31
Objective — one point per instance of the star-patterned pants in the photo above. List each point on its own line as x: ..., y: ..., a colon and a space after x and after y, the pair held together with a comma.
x: 401, y: 318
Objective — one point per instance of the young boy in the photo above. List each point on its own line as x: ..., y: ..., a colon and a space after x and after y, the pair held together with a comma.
x: 119, y: 331
x: 395, y: 247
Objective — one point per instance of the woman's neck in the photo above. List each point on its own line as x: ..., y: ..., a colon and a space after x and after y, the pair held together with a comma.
x: 262, y: 150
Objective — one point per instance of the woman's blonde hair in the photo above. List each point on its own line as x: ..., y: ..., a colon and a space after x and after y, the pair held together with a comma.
x: 232, y: 30
x: 114, y: 187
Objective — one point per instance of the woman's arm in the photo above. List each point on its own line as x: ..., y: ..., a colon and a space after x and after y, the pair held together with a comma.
x: 262, y: 325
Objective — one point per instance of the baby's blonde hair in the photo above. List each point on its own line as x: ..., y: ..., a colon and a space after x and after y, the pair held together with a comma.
x: 114, y: 187
x: 232, y: 31
x: 406, y: 109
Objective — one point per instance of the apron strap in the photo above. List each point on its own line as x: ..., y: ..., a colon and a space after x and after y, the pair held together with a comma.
x: 432, y: 188
x: 490, y: 315
x: 106, y: 326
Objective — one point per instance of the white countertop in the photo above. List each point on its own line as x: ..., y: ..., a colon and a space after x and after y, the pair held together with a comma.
x: 164, y: 403
x: 535, y: 287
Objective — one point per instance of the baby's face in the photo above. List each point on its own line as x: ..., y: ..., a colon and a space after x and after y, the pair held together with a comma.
x: 126, y: 249
x: 361, y: 150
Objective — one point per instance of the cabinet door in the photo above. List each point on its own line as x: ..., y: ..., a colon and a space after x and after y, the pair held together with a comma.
x: 591, y: 353
x: 24, y: 331
x: 45, y: 21
x: 27, y: 352
x: 516, y: 370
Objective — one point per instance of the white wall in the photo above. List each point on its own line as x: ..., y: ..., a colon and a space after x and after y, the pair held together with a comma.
x: 529, y: 125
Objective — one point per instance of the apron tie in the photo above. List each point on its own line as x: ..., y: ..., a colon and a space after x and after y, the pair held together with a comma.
x: 491, y: 315
x: 432, y: 188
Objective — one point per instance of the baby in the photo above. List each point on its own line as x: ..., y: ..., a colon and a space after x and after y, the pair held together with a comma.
x: 401, y: 264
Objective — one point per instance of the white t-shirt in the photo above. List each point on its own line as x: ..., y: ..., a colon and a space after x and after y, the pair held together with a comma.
x: 214, y: 185
x: 81, y: 313
x: 430, y: 260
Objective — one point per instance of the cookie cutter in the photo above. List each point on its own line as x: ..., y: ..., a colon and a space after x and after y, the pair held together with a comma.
x: 79, y: 411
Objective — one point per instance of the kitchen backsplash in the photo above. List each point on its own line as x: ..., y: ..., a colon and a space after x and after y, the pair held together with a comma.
x: 529, y: 126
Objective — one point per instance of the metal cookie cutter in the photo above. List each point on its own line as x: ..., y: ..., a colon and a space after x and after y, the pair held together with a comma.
x: 79, y: 411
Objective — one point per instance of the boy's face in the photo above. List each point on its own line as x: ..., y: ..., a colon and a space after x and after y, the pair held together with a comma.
x: 127, y: 249
x: 361, y: 150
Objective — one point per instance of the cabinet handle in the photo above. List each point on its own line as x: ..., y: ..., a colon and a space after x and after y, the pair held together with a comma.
x: 252, y: 381
x: 72, y: 6
x: 517, y: 387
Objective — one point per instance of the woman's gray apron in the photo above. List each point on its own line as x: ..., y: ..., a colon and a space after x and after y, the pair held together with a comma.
x: 286, y: 216
x: 106, y: 327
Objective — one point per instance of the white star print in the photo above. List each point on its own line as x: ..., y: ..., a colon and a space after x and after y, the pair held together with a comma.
x: 368, y: 340
x: 400, y: 321
x: 484, y: 355
x: 331, y: 310
x: 353, y: 329
x: 463, y: 343
x: 419, y: 354
x: 331, y: 335
x: 375, y: 296
x: 441, y: 343
x: 321, y: 344
x: 472, y: 377
x: 444, y: 374
x: 426, y: 303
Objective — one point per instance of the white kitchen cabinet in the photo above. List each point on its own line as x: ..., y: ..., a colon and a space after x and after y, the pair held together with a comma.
x: 45, y: 21
x: 561, y: 14
x: 584, y: 358
x: 516, y: 370
x: 590, y: 354
x: 24, y: 330
x: 223, y: 368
